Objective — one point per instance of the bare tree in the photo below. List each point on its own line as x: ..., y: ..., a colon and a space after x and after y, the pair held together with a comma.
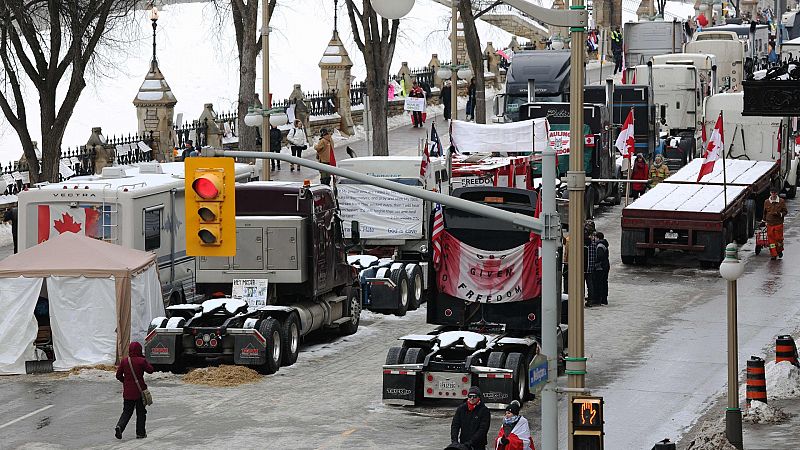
x: 248, y: 42
x: 44, y: 43
x: 468, y: 14
x: 377, y: 46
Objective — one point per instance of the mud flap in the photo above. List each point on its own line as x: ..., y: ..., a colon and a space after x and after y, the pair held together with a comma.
x: 160, y: 347
x: 400, y: 387
x: 248, y: 349
x: 497, y: 390
x: 382, y: 294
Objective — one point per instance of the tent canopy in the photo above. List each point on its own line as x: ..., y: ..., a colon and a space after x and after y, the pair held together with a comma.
x: 101, y: 296
x: 517, y: 137
x: 72, y: 254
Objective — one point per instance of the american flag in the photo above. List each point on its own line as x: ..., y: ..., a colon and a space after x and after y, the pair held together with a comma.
x: 426, y: 161
x: 436, y: 235
x: 435, y: 142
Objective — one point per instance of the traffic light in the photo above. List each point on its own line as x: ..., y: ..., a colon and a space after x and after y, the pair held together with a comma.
x: 210, y: 207
x: 587, y: 423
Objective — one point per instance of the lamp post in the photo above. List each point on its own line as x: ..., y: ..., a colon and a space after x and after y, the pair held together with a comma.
x: 154, y: 19
x: 265, y: 86
x: 577, y: 19
x: 732, y: 269
x: 263, y: 118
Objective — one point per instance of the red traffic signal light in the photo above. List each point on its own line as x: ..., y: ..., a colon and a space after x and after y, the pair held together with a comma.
x: 210, y: 213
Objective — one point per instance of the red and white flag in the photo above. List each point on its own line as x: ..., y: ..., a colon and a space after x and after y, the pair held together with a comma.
x: 58, y: 219
x: 625, y: 141
x: 714, y: 149
x: 426, y: 161
x: 624, y: 70
x: 436, y: 235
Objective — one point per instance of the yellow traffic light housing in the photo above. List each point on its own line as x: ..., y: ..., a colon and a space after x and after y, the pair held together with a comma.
x: 210, y: 207
x: 587, y: 423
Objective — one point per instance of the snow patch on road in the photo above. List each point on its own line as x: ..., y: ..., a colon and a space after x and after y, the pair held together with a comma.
x: 711, y: 437
x: 376, y: 316
x: 760, y: 412
x: 783, y: 380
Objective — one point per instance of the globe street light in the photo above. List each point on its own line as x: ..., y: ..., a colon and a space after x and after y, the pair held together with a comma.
x: 392, y: 9
x: 732, y: 269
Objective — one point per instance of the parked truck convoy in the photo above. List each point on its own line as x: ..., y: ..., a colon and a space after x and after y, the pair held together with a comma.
x: 729, y: 54
x: 395, y: 230
x: 289, y: 234
x: 645, y: 39
x: 486, y: 302
x: 139, y: 206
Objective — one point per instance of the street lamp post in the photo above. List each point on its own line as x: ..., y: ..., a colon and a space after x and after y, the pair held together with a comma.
x: 154, y: 19
x: 731, y: 270
x: 454, y: 61
x: 265, y: 86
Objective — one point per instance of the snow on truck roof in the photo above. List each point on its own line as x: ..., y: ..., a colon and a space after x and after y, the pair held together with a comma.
x: 675, y: 197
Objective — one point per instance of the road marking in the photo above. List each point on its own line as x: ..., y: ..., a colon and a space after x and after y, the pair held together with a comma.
x: 25, y: 416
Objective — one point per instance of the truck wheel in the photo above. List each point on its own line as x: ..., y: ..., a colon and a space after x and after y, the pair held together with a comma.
x: 353, y: 306
x: 400, y: 279
x: 414, y: 355
x: 627, y: 259
x: 415, y: 286
x: 290, y: 336
x: 496, y: 360
x: 516, y: 362
x: 588, y: 202
x: 791, y: 192
x: 271, y: 330
x: 740, y: 228
x: 395, y: 355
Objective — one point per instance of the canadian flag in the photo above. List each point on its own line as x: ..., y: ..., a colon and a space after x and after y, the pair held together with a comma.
x: 59, y: 219
x: 714, y: 149
x: 625, y: 141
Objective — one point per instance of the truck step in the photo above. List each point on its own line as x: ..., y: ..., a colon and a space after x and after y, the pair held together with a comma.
x: 340, y: 321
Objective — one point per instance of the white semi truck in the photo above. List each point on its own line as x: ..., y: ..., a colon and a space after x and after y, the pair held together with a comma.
x: 395, y: 229
x: 729, y: 53
x: 139, y: 206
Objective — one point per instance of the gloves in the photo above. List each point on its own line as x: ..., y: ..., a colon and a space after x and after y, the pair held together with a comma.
x: 504, y: 440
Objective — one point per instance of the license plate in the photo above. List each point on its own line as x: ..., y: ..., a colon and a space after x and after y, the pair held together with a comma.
x: 670, y: 235
x: 447, y: 384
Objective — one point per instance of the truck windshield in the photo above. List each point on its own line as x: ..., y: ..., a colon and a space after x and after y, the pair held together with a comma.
x: 485, y: 233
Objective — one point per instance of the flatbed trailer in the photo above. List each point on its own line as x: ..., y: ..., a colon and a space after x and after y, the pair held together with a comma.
x: 700, y: 218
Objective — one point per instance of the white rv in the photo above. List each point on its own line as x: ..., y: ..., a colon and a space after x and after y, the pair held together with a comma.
x: 729, y: 51
x: 139, y: 207
x: 753, y: 138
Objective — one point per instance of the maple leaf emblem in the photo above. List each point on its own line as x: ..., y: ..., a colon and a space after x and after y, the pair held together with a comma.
x: 67, y: 224
x: 710, y: 148
x: 630, y: 143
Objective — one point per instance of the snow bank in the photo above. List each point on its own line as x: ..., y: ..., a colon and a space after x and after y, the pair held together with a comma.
x: 760, y: 412
x: 711, y: 437
x: 5, y: 235
x: 783, y: 380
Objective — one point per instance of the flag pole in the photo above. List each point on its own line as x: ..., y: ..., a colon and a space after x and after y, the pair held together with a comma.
x: 724, y: 172
x: 630, y: 162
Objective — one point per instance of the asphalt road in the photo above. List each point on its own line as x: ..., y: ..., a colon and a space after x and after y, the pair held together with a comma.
x: 656, y: 353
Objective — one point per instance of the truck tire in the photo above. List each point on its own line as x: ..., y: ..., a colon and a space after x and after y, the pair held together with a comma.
x: 740, y: 228
x: 414, y: 355
x: 791, y: 190
x: 395, y: 355
x: 516, y: 362
x: 415, y: 286
x: 618, y: 189
x: 628, y: 259
x: 588, y: 202
x: 290, y: 337
x: 353, y: 305
x: 400, y: 279
x: 496, y: 360
x: 270, y: 329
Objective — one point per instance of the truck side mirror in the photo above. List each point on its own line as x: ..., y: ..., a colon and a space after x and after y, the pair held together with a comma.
x: 355, y: 233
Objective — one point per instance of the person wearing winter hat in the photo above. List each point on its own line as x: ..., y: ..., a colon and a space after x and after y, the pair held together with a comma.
x: 471, y: 421
x: 515, y: 433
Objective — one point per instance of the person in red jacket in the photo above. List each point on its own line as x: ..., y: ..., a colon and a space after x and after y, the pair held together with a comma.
x: 640, y: 172
x: 131, y: 393
x: 515, y: 433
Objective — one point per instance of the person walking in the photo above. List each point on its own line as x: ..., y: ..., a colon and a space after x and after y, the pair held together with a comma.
x: 616, y: 49
x: 446, y: 99
x: 515, y: 432
x: 298, y: 141
x: 416, y: 116
x: 275, y: 138
x: 471, y: 94
x: 774, y: 213
x: 471, y: 422
x: 601, y: 268
x: 131, y: 374
x: 188, y: 149
x: 325, y: 155
x: 640, y: 172
x: 590, y: 254
x: 659, y: 171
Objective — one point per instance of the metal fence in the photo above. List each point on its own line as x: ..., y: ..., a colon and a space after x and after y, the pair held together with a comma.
x: 423, y: 76
x: 79, y: 161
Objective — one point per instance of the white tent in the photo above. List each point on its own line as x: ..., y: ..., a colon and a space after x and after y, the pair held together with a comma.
x: 95, y: 289
x: 515, y: 137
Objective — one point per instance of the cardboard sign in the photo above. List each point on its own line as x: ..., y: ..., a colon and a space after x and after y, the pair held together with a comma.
x: 414, y: 104
x: 251, y: 291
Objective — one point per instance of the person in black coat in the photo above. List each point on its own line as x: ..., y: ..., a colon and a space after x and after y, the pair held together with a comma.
x: 601, y: 268
x: 11, y: 216
x: 471, y: 421
x: 446, y: 99
x: 275, y: 138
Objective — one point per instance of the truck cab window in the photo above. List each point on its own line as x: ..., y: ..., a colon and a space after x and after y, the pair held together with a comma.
x: 152, y: 229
